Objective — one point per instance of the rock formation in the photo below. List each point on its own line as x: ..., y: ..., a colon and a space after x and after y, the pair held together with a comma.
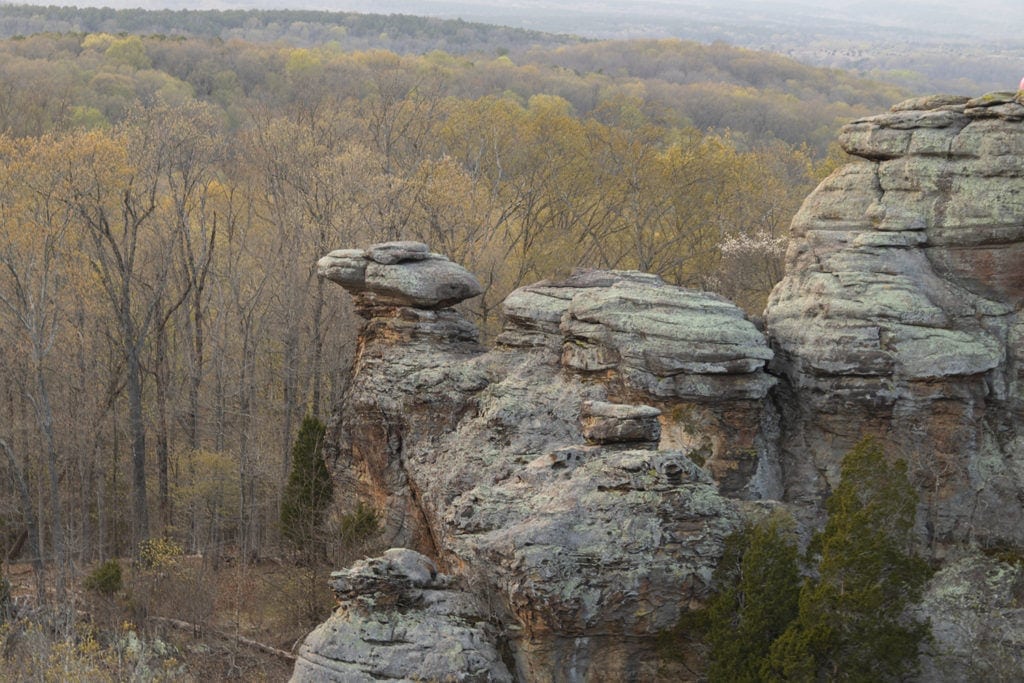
x: 899, y: 314
x: 399, y: 618
x: 577, y: 481
x: 533, y: 471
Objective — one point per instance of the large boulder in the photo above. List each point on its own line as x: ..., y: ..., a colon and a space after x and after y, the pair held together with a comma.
x: 398, y: 618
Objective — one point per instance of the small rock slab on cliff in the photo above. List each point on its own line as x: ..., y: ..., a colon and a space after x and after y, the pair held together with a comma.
x: 399, y: 274
x: 608, y: 423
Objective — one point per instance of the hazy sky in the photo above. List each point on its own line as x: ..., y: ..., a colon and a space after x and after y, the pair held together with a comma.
x: 983, y: 18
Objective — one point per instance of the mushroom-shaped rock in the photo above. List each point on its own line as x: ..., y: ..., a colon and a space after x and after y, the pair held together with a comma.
x: 399, y: 274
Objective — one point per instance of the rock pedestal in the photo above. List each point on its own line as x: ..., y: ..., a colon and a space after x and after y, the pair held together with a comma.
x: 399, y: 619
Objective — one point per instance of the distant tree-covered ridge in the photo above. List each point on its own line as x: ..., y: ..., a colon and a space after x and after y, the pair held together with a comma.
x: 397, y: 32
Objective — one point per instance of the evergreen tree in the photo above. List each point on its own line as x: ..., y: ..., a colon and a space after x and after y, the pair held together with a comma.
x: 309, y: 488
x: 852, y: 623
x: 759, y: 586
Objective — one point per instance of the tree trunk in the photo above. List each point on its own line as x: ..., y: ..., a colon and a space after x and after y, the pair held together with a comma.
x: 137, y: 428
x: 31, y: 522
x: 162, y: 429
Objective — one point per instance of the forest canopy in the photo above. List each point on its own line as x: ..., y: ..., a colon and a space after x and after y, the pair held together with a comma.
x: 164, y: 200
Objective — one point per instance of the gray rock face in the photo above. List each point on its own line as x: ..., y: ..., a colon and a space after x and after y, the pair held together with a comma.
x: 399, y: 619
x: 975, y: 606
x: 540, y: 483
x: 399, y: 274
x: 899, y: 313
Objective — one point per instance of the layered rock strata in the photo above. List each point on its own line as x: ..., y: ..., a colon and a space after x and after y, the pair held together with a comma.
x: 899, y: 314
x: 537, y: 477
x: 400, y: 619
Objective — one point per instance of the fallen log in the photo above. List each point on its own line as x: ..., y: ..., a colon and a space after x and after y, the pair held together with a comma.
x: 249, y: 642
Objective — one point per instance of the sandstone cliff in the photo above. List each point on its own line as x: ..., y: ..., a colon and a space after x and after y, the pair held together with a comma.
x: 575, y: 483
x: 899, y: 315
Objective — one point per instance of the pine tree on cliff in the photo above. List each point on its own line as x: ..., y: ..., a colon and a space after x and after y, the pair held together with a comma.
x: 759, y: 586
x: 309, y: 489
x: 852, y: 623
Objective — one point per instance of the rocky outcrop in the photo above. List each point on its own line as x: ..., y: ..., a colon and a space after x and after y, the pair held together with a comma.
x: 534, y: 471
x: 399, y: 618
x: 899, y: 314
x: 578, y: 479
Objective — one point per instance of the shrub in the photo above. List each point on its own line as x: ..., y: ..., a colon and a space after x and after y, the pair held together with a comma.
x: 159, y: 553
x: 105, y: 579
x: 852, y: 622
x: 359, y: 525
x: 309, y: 489
x: 759, y: 585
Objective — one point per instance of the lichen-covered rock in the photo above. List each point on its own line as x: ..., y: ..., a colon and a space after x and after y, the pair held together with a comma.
x: 659, y: 340
x: 975, y: 606
x: 399, y: 274
x: 541, y: 484
x: 692, y: 354
x: 898, y: 312
x: 398, y: 619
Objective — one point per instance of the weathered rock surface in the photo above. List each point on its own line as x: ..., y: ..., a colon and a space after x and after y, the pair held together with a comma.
x: 975, y: 606
x: 693, y: 354
x: 580, y: 477
x: 540, y: 482
x: 899, y: 314
x: 399, y: 274
x: 399, y: 619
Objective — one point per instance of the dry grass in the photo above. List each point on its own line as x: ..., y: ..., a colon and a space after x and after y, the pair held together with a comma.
x: 137, y: 633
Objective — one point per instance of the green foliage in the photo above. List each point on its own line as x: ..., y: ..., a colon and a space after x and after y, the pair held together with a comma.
x: 759, y: 587
x: 360, y: 524
x: 852, y: 622
x: 309, y: 489
x: 105, y: 579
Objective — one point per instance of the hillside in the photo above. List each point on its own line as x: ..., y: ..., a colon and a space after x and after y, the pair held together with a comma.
x: 166, y: 189
x: 924, y: 46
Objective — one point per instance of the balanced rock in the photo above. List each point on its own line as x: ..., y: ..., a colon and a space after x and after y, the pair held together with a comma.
x: 399, y: 274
